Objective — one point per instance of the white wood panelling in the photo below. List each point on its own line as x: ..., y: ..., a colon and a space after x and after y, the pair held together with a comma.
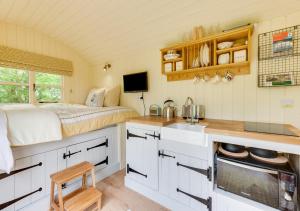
x: 103, y: 30
x: 240, y: 99
x: 16, y: 36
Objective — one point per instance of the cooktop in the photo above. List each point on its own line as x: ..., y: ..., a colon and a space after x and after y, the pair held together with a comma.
x: 272, y: 128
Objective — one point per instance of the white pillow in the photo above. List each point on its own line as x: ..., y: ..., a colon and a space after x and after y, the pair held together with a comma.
x: 95, y: 98
x: 112, y: 96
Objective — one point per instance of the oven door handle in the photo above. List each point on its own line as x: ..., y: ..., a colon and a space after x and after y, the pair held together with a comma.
x: 248, y: 167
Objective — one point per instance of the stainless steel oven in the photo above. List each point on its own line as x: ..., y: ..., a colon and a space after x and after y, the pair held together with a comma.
x: 275, y: 186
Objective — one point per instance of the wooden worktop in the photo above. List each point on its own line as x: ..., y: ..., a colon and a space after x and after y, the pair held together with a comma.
x: 153, y: 120
x: 225, y: 127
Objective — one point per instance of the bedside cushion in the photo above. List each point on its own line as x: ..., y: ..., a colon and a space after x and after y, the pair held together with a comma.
x: 112, y: 96
x: 95, y: 98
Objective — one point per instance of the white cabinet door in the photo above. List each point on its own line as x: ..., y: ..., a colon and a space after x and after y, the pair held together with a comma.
x: 30, y: 182
x: 192, y: 182
x: 142, y: 156
x: 96, y: 152
x: 75, y: 154
x: 182, y: 178
x: 51, y: 167
x: 199, y: 183
x: 61, y: 159
x: 22, y: 182
x: 167, y: 171
x: 38, y: 180
x: 7, y: 191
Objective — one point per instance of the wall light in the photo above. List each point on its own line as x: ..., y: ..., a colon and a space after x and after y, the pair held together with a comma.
x: 106, y: 67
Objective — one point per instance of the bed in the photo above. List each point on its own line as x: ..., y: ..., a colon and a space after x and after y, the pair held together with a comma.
x: 31, y: 124
x: 78, y: 119
x: 48, y: 138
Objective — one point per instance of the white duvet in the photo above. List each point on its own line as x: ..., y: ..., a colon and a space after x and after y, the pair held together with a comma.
x: 27, y: 124
x: 32, y: 125
x: 6, y: 157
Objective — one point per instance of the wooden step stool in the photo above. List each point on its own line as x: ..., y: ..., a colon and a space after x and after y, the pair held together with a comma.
x: 79, y: 199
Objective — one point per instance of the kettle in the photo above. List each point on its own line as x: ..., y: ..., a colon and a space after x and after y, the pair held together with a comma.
x: 169, y: 110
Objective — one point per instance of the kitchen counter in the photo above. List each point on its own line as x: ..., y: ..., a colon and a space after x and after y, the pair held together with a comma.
x: 153, y: 120
x: 225, y: 127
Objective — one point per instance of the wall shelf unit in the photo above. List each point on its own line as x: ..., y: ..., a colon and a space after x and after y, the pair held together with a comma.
x: 194, y: 61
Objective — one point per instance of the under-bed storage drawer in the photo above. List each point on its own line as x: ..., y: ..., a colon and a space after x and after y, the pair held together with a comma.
x: 28, y: 182
x: 97, y: 152
x: 94, y: 151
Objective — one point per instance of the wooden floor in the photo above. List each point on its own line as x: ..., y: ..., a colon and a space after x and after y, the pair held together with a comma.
x: 116, y: 197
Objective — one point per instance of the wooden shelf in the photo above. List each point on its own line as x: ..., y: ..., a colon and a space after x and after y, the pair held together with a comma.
x: 227, y: 50
x: 240, y: 68
x: 190, y: 53
x: 201, y: 70
x: 172, y: 60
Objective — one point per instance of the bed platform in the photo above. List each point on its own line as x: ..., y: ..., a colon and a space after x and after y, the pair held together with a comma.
x: 27, y: 187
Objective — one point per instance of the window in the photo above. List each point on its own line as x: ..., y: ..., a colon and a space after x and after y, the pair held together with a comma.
x: 15, y: 86
x: 48, y: 87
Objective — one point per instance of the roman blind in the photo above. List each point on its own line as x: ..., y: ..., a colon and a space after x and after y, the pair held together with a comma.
x: 15, y: 58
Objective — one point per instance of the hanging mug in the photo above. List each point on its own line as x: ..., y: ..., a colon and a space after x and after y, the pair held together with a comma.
x: 217, y: 78
x: 228, y: 77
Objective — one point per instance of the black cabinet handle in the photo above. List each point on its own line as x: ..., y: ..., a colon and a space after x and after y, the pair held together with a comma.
x: 64, y: 186
x: 70, y: 154
x: 205, y: 172
x: 134, y: 171
x: 134, y: 135
x: 207, y: 202
x: 161, y: 153
x: 102, y: 162
x: 99, y: 145
x: 7, y: 204
x: 4, y: 175
x: 153, y: 135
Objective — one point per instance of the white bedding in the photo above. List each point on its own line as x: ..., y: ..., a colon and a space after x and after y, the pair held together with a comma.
x: 6, y: 157
x: 32, y: 125
x: 77, y: 119
x: 29, y: 124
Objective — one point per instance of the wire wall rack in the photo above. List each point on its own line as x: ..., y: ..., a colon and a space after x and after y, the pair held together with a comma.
x: 279, y: 57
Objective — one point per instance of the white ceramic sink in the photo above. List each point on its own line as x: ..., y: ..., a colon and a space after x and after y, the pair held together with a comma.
x: 184, y: 132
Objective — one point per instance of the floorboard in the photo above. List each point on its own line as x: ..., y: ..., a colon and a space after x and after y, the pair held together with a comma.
x: 116, y: 197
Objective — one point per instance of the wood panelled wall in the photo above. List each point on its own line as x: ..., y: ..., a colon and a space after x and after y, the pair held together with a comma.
x: 77, y: 86
x: 240, y: 99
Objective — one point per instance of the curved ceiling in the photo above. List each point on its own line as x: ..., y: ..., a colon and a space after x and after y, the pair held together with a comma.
x: 102, y: 30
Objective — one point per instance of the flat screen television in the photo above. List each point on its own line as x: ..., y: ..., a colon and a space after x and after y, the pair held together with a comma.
x: 137, y: 82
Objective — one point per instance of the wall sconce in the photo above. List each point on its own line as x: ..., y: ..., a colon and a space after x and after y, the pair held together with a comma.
x: 106, y: 67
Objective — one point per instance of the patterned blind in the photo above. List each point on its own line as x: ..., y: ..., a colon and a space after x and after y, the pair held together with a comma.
x: 15, y: 58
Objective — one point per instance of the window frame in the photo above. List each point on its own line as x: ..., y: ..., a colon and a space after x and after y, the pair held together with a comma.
x: 34, y: 85
x: 31, y: 86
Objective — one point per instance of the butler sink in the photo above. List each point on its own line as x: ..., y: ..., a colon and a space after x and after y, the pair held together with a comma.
x: 184, y: 132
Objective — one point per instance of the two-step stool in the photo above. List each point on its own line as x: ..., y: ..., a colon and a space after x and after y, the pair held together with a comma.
x: 79, y: 199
